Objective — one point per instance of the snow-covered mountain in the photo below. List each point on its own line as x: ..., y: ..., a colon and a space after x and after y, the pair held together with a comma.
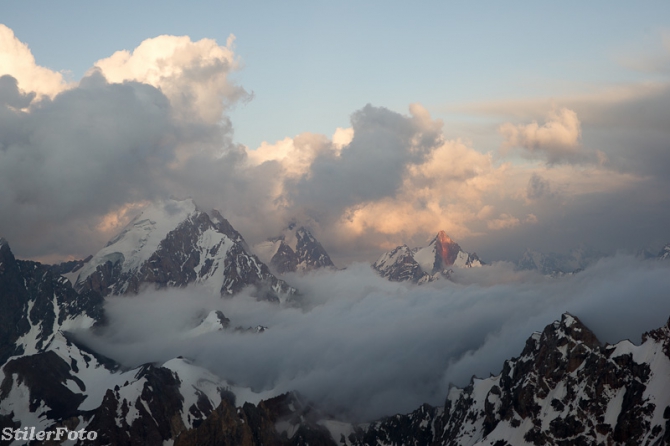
x: 173, y: 244
x: 665, y: 252
x: 296, y: 249
x: 48, y: 380
x: 35, y: 304
x: 566, y: 388
x: 420, y: 265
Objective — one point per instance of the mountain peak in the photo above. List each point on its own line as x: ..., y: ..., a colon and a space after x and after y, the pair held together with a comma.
x: 172, y: 244
x: 295, y: 249
x: 446, y: 249
x: 421, y: 265
x: 443, y: 237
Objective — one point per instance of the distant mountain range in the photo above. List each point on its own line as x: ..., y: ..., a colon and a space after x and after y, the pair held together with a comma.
x: 565, y: 388
x: 422, y: 265
x: 295, y: 249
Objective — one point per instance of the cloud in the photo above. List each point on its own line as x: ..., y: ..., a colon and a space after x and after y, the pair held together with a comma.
x: 372, y: 165
x: 295, y: 155
x: 89, y: 149
x: 151, y: 122
x: 193, y: 75
x: 503, y: 221
x: 11, y: 96
x: 557, y: 139
x: 17, y: 61
x: 537, y: 188
x: 364, y: 347
x: 72, y: 162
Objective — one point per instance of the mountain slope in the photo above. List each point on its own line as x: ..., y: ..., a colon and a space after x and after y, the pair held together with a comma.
x: 426, y: 264
x: 173, y: 244
x: 49, y: 380
x: 565, y: 389
x: 35, y: 303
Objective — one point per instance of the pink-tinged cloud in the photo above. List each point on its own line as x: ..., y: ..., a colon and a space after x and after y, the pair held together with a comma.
x: 558, y: 139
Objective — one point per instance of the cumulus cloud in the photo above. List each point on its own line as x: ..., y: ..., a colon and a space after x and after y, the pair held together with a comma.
x: 558, y: 138
x: 364, y: 347
x: 78, y: 160
x: 372, y: 165
x: 17, y: 61
x: 193, y: 75
x: 72, y: 161
x: 294, y: 155
x: 11, y: 96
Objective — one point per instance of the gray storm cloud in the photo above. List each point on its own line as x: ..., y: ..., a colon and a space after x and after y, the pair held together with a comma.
x: 371, y: 166
x: 71, y: 159
x: 363, y: 347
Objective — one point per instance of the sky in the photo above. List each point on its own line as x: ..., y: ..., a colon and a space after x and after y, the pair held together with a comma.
x: 511, y: 126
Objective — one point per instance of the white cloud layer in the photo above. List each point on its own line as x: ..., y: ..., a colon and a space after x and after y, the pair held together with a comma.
x: 365, y: 347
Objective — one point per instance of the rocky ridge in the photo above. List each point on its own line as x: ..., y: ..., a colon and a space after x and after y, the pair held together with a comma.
x: 566, y: 388
x: 48, y: 379
x: 174, y: 244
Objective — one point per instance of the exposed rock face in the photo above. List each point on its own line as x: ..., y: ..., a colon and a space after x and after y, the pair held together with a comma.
x: 69, y: 267
x: 564, y: 389
x: 296, y: 249
x: 48, y: 380
x: 399, y: 265
x: 421, y: 265
x: 281, y: 421
x: 173, y: 244
x: 35, y: 303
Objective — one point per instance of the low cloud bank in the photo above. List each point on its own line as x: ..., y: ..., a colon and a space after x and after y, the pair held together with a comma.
x: 364, y: 347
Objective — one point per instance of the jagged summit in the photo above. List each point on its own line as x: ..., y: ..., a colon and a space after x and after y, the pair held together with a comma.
x: 564, y: 388
x: 295, y: 249
x: 663, y: 255
x: 426, y: 264
x: 173, y: 244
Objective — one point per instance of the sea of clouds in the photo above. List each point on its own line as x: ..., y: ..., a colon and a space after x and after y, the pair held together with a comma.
x: 362, y: 347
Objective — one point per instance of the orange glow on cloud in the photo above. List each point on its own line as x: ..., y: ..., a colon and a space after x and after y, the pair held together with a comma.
x: 114, y: 221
